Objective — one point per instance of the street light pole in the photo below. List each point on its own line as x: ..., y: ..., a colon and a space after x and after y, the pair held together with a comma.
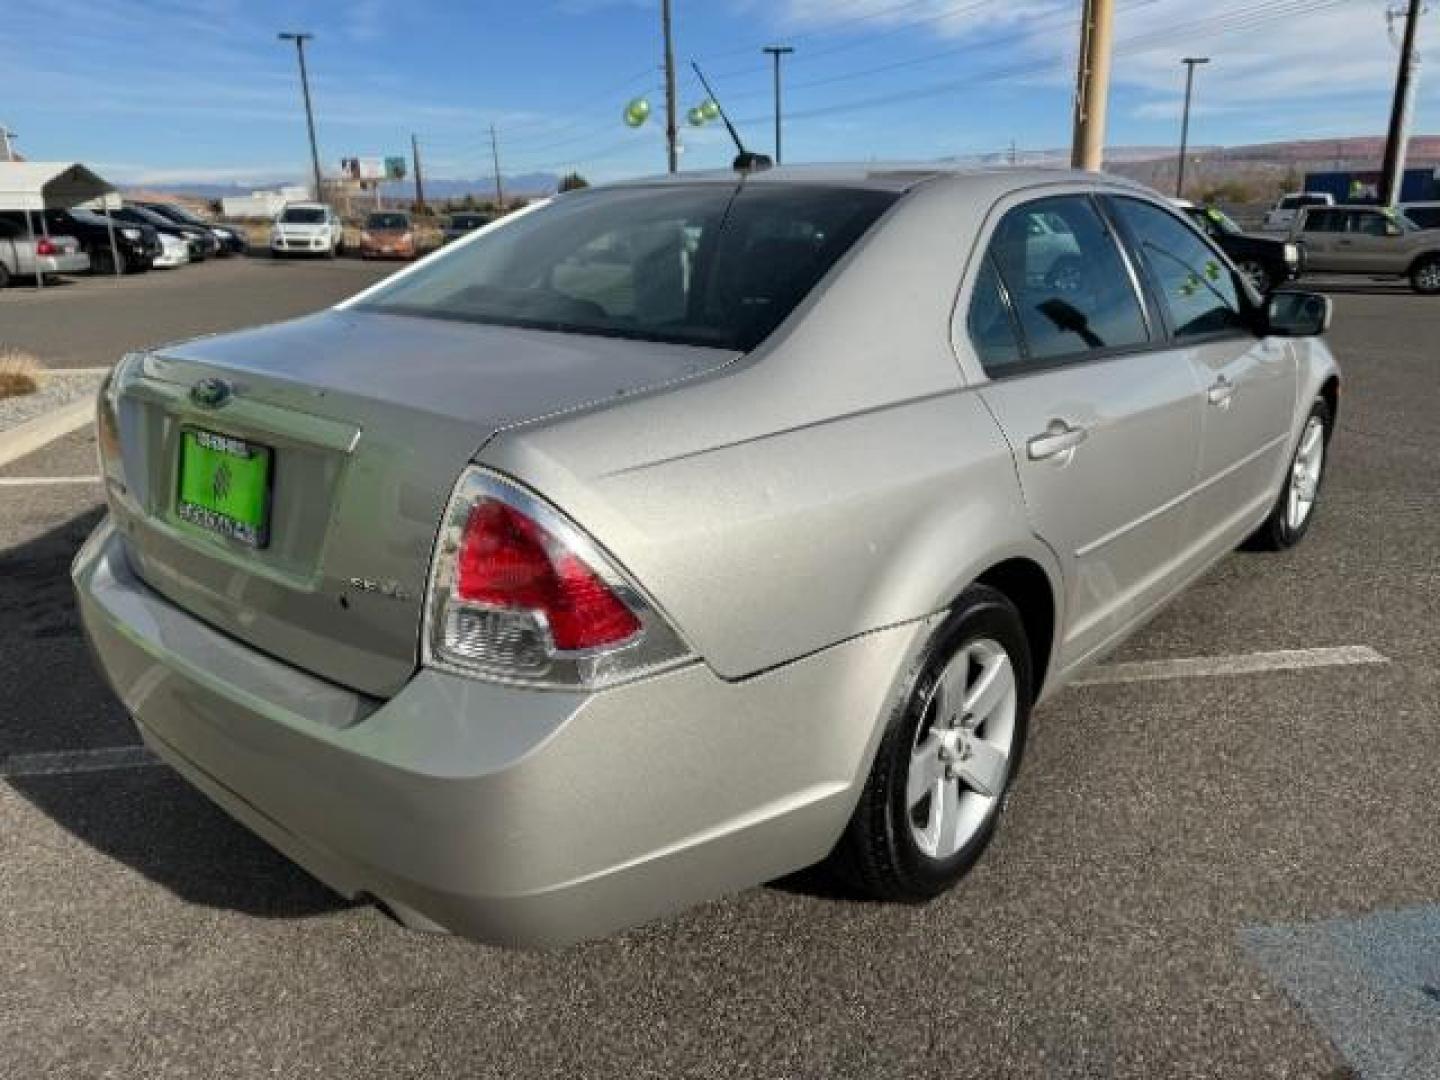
x: 300, y: 40
x: 776, y: 52
x: 1190, y: 62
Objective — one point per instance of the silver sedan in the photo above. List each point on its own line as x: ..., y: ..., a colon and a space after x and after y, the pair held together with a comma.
x: 672, y: 536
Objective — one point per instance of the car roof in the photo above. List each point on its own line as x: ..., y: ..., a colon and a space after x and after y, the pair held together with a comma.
x: 306, y: 206
x: 895, y: 177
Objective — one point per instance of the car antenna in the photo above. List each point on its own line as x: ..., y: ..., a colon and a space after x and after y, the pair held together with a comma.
x: 745, y: 160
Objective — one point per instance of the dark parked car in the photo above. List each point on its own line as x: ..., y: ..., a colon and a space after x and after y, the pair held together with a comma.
x: 202, y: 242
x: 137, y: 245
x: 458, y: 225
x: 232, y: 239
x: 1267, y: 261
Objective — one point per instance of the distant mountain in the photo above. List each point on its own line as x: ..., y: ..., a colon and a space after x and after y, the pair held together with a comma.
x: 535, y: 183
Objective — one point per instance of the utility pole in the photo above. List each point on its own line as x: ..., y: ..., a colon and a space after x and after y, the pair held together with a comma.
x: 300, y: 40
x: 1190, y: 62
x: 1092, y: 84
x: 671, y: 133
x: 495, y: 155
x: 1014, y: 154
x: 5, y: 136
x: 776, y: 52
x: 1393, y: 173
x: 419, y: 180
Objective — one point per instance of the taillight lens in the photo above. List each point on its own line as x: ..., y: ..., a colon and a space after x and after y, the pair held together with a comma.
x: 518, y: 592
x: 46, y: 246
x: 509, y: 562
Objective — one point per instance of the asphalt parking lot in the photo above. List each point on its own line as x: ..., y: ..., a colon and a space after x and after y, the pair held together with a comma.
x: 1203, y: 874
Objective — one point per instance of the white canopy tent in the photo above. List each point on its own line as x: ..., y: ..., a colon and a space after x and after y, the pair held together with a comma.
x: 36, y: 186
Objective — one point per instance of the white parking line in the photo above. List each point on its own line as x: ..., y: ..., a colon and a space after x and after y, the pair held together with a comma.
x: 62, y: 762
x: 41, y: 481
x: 1246, y: 664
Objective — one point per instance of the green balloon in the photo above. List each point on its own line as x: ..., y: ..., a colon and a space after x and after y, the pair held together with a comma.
x: 696, y: 116
x: 636, y: 112
x: 710, y: 109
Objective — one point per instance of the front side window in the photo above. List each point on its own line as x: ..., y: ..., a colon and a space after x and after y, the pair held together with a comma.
x: 1368, y: 223
x: 1324, y: 221
x: 700, y: 264
x: 1066, y: 279
x: 1195, y: 285
x: 1424, y: 217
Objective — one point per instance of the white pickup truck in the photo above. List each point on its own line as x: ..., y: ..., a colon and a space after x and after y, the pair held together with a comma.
x: 1281, y: 216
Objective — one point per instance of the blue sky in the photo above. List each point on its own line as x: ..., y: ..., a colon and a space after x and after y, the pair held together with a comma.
x: 176, y: 91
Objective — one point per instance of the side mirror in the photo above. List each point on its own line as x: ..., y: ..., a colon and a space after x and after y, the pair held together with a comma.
x: 1298, y: 314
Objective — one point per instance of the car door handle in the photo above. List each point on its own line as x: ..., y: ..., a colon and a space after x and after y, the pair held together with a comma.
x: 1221, y: 391
x: 1057, y: 439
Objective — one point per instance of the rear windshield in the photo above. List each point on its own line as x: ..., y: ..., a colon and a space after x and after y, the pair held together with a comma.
x: 714, y: 265
x: 303, y: 215
x: 387, y: 221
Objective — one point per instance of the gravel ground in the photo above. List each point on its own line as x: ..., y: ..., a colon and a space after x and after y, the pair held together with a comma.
x: 57, y: 389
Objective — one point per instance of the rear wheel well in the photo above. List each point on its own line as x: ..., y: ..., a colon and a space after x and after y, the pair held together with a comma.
x: 1331, y: 393
x: 1027, y: 586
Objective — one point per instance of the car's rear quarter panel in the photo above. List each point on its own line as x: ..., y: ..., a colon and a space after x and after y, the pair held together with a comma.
x: 838, y: 480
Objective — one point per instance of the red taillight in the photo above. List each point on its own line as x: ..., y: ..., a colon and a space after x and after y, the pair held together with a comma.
x: 46, y: 246
x: 508, y: 561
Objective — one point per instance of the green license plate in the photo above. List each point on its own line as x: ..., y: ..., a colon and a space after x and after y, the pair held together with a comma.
x: 225, y: 486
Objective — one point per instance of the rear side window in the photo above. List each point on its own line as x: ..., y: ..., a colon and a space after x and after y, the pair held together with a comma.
x: 1324, y: 221
x: 992, y: 328
x: 1195, y: 285
x: 701, y: 264
x: 1368, y: 223
x: 1066, y: 279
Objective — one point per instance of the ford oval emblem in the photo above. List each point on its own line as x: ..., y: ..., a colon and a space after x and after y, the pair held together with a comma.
x: 210, y: 393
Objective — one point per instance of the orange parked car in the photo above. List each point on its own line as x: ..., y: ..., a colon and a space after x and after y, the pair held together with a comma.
x: 388, y: 234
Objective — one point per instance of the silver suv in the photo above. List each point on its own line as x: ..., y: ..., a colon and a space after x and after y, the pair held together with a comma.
x: 1371, y: 240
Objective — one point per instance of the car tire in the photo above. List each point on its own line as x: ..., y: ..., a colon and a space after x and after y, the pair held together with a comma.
x: 4, y: 276
x: 1294, y: 508
x: 923, y: 819
x: 1425, y: 276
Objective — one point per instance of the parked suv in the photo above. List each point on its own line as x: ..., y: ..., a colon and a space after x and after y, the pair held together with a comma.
x: 22, y: 256
x: 137, y: 245
x: 201, y: 242
x: 1281, y: 217
x: 307, y: 229
x: 1371, y: 240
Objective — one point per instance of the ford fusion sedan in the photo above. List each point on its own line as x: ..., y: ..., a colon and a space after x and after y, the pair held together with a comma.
x: 307, y: 229
x: 675, y: 535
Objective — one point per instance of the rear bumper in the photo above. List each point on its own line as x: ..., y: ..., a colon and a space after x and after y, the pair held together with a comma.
x: 64, y: 264
x: 522, y: 817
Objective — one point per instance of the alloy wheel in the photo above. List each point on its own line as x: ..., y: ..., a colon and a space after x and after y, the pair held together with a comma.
x: 1305, y: 474
x: 960, y: 761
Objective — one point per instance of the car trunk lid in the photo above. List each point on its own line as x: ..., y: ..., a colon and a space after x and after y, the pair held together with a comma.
x: 369, y: 419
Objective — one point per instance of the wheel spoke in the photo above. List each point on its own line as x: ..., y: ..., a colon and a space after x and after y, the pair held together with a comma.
x: 983, y: 771
x: 947, y: 831
x: 1312, y: 440
x: 950, y: 695
x: 926, y: 769
x: 990, y: 689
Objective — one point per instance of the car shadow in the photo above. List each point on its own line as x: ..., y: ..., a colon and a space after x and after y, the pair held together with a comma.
x: 144, y: 817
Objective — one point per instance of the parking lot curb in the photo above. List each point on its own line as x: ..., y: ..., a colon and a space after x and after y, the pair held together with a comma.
x: 30, y: 436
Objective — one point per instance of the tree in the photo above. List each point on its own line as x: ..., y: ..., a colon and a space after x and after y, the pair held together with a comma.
x: 573, y: 181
